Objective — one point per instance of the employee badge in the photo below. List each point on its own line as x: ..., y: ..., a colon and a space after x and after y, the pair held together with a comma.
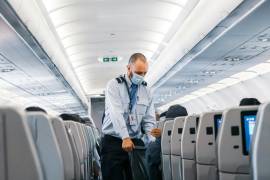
x: 132, y: 119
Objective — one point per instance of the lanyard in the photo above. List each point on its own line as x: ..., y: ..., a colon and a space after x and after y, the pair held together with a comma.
x: 129, y: 95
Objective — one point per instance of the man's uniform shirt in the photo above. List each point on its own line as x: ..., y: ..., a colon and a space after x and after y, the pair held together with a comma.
x: 116, y: 121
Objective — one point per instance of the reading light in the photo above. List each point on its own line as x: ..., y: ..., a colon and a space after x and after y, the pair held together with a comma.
x: 209, y: 72
x: 191, y: 81
x: 264, y: 39
x: 7, y: 70
x: 233, y: 59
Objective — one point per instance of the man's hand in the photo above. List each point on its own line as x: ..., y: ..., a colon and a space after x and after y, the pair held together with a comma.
x: 127, y: 145
x: 156, y: 132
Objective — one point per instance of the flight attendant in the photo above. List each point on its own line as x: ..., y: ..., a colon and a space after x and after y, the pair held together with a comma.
x: 129, y: 115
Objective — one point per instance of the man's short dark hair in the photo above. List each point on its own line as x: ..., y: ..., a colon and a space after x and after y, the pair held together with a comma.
x: 249, y: 102
x: 71, y: 117
x: 35, y: 109
x: 176, y: 111
x: 137, y: 56
x: 163, y: 114
x: 87, y: 121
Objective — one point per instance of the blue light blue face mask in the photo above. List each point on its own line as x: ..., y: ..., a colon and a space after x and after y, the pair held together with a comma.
x: 137, y: 79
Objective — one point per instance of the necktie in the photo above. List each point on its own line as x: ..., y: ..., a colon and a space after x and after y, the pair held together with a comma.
x: 133, y: 95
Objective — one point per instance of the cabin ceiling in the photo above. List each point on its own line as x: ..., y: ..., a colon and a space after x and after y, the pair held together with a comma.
x: 78, y: 34
x: 237, y: 49
x: 91, y: 30
x: 27, y: 81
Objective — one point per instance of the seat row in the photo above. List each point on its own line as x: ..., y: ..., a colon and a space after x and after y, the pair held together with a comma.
x: 217, y: 145
x: 35, y: 146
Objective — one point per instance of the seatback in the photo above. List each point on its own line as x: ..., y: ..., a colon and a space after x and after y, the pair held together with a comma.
x: 83, y: 140
x: 163, y: 118
x: 157, y: 124
x: 65, y: 147
x: 18, y: 155
x: 233, y: 143
x: 88, y: 149
x: 97, y: 135
x: 75, y: 152
x: 176, y: 137
x: 166, y: 149
x: 47, y: 145
x: 188, y: 145
x: 84, y: 146
x: 206, y: 160
x: 90, y: 137
x: 161, y: 124
x: 73, y: 128
x: 260, y: 148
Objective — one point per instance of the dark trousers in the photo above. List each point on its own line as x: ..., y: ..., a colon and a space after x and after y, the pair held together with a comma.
x: 155, y: 172
x: 114, y: 160
x: 153, y: 158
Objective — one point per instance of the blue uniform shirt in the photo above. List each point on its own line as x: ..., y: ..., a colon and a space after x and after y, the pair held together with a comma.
x: 116, y: 121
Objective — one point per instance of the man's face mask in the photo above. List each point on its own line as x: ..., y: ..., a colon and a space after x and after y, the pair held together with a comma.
x: 136, y: 78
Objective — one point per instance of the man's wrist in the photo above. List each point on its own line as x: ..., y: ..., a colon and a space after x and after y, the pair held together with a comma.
x: 126, y: 138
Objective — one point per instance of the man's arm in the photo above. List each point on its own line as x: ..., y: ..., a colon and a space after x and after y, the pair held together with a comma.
x: 116, y: 109
x: 149, y: 120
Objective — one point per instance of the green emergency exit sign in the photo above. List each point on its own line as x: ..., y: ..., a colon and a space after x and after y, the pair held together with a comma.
x: 106, y: 59
x: 110, y: 59
x: 114, y: 59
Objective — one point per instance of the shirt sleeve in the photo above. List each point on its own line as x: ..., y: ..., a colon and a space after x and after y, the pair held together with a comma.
x: 116, y: 109
x: 149, y: 121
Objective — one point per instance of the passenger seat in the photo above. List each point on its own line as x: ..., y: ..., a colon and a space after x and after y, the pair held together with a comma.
x: 233, y: 143
x: 65, y: 148
x: 206, y: 159
x: 18, y: 156
x: 176, y: 137
x: 260, y: 156
x: 166, y: 150
x: 188, y: 146
x: 47, y: 145
x: 75, y: 152
x: 78, y: 146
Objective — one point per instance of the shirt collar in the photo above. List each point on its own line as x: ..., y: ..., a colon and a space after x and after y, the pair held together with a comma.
x: 128, y: 80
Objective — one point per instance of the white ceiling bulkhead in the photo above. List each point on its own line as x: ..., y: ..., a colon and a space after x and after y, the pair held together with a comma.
x: 90, y: 41
x: 89, y: 30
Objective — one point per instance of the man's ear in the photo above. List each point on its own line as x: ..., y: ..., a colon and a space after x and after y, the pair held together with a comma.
x: 128, y: 66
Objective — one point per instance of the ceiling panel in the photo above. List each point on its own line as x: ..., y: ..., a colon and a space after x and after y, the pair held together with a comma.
x: 89, y: 30
x: 243, y: 46
x: 26, y: 81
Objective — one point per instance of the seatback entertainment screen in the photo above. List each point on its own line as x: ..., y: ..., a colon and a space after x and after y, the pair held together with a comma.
x: 248, y: 121
x: 217, y: 123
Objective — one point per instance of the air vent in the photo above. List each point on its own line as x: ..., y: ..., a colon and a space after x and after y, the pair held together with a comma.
x: 6, y: 70
x: 237, y: 58
x: 210, y: 72
x: 264, y: 38
x: 193, y: 81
